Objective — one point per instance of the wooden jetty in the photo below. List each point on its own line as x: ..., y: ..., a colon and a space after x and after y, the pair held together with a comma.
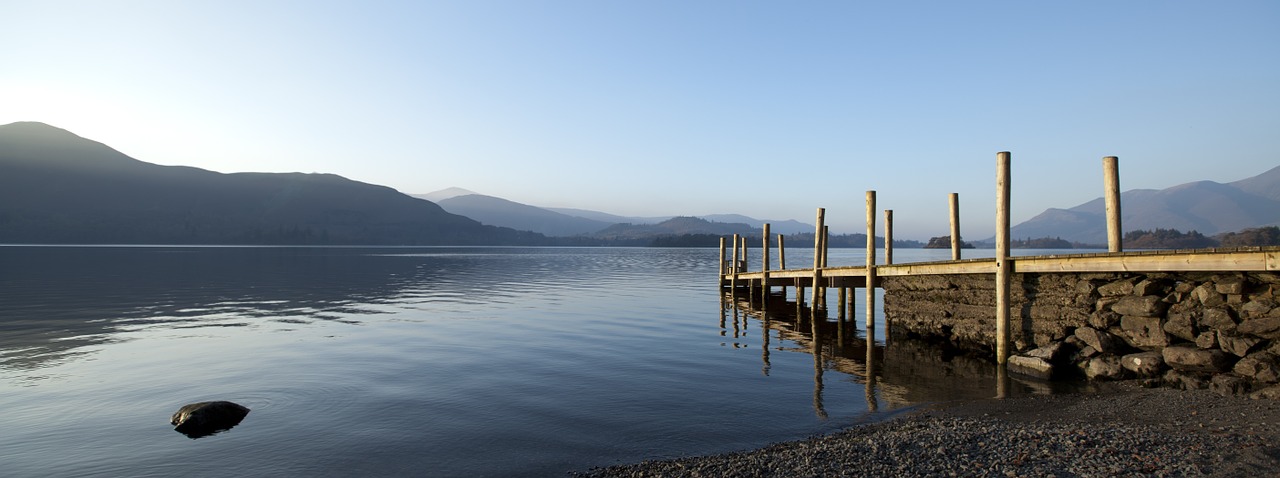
x: 735, y: 273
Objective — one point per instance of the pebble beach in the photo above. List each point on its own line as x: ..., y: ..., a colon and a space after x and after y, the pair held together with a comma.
x: 1121, y: 429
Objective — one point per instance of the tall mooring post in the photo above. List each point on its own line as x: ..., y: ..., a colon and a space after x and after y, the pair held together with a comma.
x: 1111, y: 178
x: 954, y: 200
x: 764, y: 268
x: 1004, y: 266
x: 871, y: 259
x: 888, y: 236
x: 720, y: 276
x: 733, y: 268
x: 817, y: 257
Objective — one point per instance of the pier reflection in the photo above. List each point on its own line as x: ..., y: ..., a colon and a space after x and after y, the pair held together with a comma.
x: 900, y: 373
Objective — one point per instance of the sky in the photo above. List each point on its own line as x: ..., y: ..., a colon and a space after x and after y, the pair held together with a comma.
x: 649, y: 108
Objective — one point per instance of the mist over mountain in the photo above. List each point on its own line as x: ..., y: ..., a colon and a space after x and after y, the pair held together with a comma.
x: 1205, y: 206
x: 56, y: 187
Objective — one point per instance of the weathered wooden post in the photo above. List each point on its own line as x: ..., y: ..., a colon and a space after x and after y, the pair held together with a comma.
x: 826, y: 239
x: 954, y: 200
x: 764, y: 269
x: 817, y: 259
x: 1111, y: 173
x: 720, y: 276
x: 871, y: 259
x: 888, y: 236
x: 733, y: 268
x: 782, y: 263
x: 751, y: 286
x: 1004, y: 266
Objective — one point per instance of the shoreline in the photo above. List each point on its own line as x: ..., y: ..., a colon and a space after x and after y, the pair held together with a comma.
x: 1118, y: 429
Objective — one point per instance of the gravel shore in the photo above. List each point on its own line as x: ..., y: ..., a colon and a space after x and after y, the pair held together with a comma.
x: 1120, y: 430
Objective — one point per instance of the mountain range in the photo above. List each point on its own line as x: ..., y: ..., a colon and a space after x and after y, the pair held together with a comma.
x: 56, y: 187
x: 1204, y: 206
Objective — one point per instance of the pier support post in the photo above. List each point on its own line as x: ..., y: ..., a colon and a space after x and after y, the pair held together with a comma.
x: 733, y: 267
x: 720, y: 276
x: 782, y: 262
x: 817, y: 258
x: 888, y: 236
x: 764, y: 269
x: 871, y: 259
x: 1111, y: 178
x: 1004, y: 267
x: 954, y: 200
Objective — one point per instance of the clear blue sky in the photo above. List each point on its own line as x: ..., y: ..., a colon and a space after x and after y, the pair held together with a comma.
x: 768, y: 109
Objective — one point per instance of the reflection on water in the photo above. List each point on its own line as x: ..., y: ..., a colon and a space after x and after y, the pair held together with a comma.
x: 895, y: 374
x: 423, y: 361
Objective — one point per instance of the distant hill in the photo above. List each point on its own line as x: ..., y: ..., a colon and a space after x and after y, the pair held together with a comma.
x: 673, y: 227
x: 1204, y: 206
x: 56, y: 187
x: 501, y: 212
x: 564, y: 222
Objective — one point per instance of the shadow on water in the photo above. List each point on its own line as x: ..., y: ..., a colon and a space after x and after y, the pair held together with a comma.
x: 897, y: 373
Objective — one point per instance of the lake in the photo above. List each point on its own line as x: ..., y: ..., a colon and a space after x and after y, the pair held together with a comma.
x: 422, y: 361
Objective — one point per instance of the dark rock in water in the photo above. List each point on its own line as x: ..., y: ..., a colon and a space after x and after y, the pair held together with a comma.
x: 206, y: 418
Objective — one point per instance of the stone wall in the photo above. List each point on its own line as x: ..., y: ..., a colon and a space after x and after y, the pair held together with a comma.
x: 1188, y: 330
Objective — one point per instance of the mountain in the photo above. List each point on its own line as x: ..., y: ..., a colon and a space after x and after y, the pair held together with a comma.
x: 56, y: 187
x: 1205, y: 206
x: 789, y: 226
x: 501, y: 212
x: 443, y: 194
x: 609, y: 218
x: 674, y: 227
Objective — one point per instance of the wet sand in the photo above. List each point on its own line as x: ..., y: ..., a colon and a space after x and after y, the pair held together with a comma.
x: 1120, y: 429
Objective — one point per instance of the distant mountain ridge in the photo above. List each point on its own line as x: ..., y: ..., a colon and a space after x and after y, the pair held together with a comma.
x: 56, y: 187
x: 1205, y: 206
x: 564, y: 222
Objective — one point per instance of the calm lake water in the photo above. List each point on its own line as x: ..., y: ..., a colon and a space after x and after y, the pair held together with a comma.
x: 421, y: 361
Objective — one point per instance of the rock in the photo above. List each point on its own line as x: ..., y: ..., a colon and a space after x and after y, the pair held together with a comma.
x: 1255, y: 309
x: 1229, y: 285
x: 1186, y: 380
x: 1141, y: 306
x: 1102, y: 341
x: 1229, y: 385
x: 1208, y: 295
x: 1144, y: 332
x: 1266, y: 327
x: 1238, y: 346
x: 1181, y: 325
x: 1193, y: 359
x: 1207, y: 340
x: 1032, y: 366
x: 1144, y: 364
x: 1117, y: 288
x: 1106, y: 367
x: 1051, y: 353
x: 1269, y: 393
x: 1103, y: 319
x: 206, y: 418
x: 1218, y: 319
x: 1260, y: 366
x: 1150, y: 287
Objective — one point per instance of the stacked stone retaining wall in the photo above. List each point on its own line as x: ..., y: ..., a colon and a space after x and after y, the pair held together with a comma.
x: 1187, y: 330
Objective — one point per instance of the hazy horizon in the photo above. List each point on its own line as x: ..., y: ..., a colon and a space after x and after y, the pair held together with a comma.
x: 671, y: 108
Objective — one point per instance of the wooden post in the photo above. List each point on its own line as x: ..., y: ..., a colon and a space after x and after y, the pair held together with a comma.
x: 1111, y: 177
x: 871, y: 259
x: 764, y: 268
x: 733, y: 268
x: 826, y: 236
x: 817, y: 258
x: 751, y: 291
x: 720, y: 276
x: 954, y: 200
x: 782, y: 254
x: 888, y: 236
x: 1004, y: 266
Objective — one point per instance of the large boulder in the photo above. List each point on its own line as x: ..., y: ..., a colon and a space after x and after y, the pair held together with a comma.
x: 202, y: 419
x: 1144, y: 364
x: 1266, y: 327
x: 1140, y: 306
x: 1100, y: 340
x: 1144, y: 332
x: 1195, y: 359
